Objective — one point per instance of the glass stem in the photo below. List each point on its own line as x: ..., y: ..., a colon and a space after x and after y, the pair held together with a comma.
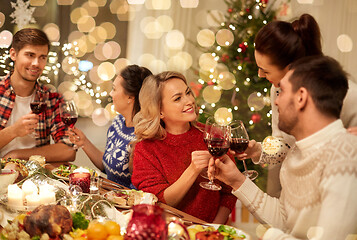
x: 245, y: 166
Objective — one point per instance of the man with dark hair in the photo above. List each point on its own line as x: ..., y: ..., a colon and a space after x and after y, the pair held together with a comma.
x: 319, y: 175
x: 22, y: 132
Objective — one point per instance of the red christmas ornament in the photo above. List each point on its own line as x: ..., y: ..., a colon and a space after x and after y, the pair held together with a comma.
x: 256, y: 118
x: 247, y: 10
x: 243, y: 47
x: 210, y: 83
x: 264, y: 1
x: 230, y: 10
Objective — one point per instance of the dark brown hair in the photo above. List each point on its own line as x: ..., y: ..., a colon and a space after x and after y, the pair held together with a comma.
x: 324, y: 79
x: 134, y: 76
x: 29, y: 36
x: 285, y: 42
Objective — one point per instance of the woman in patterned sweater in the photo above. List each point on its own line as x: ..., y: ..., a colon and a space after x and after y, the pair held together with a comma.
x: 114, y: 160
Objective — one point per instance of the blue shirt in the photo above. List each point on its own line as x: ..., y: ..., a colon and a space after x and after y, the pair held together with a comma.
x: 116, y: 156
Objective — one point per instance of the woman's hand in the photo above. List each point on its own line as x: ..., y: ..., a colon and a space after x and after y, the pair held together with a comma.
x: 253, y: 151
x: 225, y: 170
x: 77, y: 137
x: 352, y: 130
x: 199, y: 160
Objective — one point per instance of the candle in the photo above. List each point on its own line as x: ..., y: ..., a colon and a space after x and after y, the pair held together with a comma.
x: 28, y: 188
x: 33, y: 200
x: 14, y: 195
x: 81, y: 179
x: 47, y: 197
x: 81, y: 169
x: 47, y: 194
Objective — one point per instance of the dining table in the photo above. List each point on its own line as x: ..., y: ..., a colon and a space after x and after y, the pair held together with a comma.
x: 108, y: 185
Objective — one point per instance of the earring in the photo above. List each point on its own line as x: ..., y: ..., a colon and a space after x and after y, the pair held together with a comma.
x: 128, y: 101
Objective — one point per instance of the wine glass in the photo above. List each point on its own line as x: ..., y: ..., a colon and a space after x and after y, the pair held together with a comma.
x: 69, y: 114
x: 37, y: 106
x: 209, y: 121
x: 218, y: 145
x: 239, y: 141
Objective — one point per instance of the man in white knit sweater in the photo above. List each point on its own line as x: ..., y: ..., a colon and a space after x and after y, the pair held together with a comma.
x: 319, y: 175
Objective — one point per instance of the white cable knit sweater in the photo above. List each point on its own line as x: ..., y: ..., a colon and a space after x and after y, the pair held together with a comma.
x: 319, y: 189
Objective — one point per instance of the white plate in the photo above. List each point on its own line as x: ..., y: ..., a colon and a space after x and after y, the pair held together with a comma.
x: 216, y: 226
x: 54, y: 171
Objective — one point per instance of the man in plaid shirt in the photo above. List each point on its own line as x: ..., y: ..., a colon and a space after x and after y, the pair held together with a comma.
x: 18, y: 123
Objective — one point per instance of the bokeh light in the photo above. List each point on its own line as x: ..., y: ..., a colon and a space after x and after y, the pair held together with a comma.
x: 224, y: 37
x: 110, y: 29
x: 166, y: 22
x: 77, y: 13
x: 157, y: 66
x: 207, y: 62
x: 151, y: 28
x: 69, y: 64
x: 111, y: 50
x: 86, y: 24
x: 67, y: 86
x: 65, y: 2
x: 100, y: 117
x: 223, y: 116
x: 93, y: 75
x: 205, y: 38
x: 98, y: 52
x: 2, y: 19
x: 146, y: 59
x: 189, y: 3
x: 106, y: 71
x: 100, y: 3
x: 37, y: 3
x: 74, y: 36
x: 175, y: 39
x: 111, y: 110
x: 158, y: 4
x: 226, y: 80
x: 52, y: 32
x: 85, y: 65
x: 99, y: 33
x: 136, y: 1
x: 344, y: 43
x: 211, y: 94
x: 256, y: 101
x: 91, y: 7
x: 5, y: 39
x: 119, y: 7
x: 120, y: 64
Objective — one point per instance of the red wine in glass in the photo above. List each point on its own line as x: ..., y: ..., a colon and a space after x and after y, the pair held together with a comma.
x: 217, y: 148
x: 69, y: 120
x: 239, y: 145
x: 38, y: 107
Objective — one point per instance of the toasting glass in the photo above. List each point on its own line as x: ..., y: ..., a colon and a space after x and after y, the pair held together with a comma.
x: 239, y: 141
x: 218, y: 145
x: 209, y: 121
x: 37, y: 106
x: 69, y: 114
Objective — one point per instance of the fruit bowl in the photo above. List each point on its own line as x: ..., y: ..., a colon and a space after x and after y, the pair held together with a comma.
x: 7, y: 177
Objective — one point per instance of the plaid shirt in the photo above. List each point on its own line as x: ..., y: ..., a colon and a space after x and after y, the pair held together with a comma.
x: 49, y: 124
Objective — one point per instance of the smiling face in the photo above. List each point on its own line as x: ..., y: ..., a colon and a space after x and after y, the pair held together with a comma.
x: 288, y: 113
x: 268, y: 70
x: 177, y: 106
x: 29, y: 61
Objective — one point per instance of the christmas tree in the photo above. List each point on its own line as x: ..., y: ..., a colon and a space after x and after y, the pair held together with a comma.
x: 228, y: 86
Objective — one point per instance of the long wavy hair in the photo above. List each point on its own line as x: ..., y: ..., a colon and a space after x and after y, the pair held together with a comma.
x: 147, y: 122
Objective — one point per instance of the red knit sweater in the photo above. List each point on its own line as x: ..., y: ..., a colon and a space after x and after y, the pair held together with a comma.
x: 159, y: 163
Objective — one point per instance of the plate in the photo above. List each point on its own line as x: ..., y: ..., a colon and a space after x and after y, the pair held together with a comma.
x: 201, y: 228
x: 63, y: 171
x: 125, y: 199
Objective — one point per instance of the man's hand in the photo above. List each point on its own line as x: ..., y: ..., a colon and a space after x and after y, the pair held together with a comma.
x: 77, y: 137
x: 25, y: 125
x: 225, y: 170
x: 253, y: 151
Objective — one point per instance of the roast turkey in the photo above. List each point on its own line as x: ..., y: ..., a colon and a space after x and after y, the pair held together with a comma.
x: 54, y: 220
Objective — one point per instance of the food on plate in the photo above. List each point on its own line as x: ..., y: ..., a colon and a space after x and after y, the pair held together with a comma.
x: 63, y: 171
x: 79, y: 221
x: 17, y: 165
x: 38, y: 158
x: 215, y: 235
x: 55, y: 220
x: 224, y: 232
x: 130, y: 197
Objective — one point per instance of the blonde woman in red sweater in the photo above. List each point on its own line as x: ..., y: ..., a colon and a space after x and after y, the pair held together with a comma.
x: 170, y: 153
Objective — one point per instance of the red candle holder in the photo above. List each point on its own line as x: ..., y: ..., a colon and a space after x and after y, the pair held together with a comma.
x: 81, y: 179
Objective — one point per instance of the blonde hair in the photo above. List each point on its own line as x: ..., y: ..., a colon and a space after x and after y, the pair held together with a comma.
x: 147, y: 122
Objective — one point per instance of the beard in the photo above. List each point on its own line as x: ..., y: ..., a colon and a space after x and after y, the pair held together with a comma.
x: 288, y: 119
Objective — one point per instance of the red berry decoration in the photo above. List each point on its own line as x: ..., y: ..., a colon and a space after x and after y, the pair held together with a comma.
x: 230, y: 10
